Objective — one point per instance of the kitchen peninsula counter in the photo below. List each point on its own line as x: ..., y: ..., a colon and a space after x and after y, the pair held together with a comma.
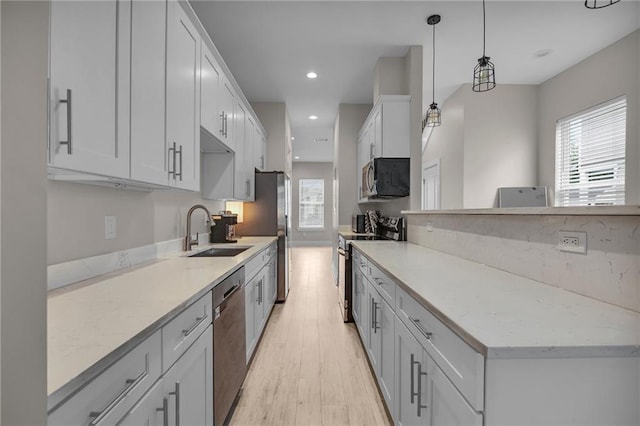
x: 93, y: 323
x: 502, y: 315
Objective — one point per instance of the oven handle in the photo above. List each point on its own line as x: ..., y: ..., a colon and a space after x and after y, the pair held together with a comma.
x: 343, y: 252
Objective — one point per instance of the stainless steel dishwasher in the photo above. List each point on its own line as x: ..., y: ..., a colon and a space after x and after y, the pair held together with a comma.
x: 229, y: 350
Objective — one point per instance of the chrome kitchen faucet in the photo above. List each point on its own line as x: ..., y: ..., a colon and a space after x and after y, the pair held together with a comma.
x: 188, y: 242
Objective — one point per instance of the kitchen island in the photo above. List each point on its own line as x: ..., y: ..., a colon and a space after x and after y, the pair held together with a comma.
x: 491, y: 347
x: 93, y: 324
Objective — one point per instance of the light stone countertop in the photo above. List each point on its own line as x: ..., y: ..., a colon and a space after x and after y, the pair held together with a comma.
x: 99, y: 320
x: 503, y: 315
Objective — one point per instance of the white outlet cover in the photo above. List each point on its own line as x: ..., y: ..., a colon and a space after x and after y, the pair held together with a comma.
x: 579, y: 236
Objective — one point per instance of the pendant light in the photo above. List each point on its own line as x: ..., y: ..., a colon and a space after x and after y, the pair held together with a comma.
x: 595, y: 4
x: 433, y: 116
x: 484, y: 75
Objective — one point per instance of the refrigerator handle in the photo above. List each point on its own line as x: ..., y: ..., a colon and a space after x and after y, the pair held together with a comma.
x: 286, y: 225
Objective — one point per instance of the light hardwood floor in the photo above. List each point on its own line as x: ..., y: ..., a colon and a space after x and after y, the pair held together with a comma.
x: 310, y: 368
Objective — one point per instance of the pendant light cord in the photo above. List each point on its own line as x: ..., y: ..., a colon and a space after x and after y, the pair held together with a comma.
x: 433, y: 74
x: 484, y: 30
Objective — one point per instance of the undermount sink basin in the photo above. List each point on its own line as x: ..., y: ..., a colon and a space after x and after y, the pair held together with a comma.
x: 220, y: 252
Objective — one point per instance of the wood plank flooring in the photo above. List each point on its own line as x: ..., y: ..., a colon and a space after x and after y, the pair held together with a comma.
x: 310, y: 368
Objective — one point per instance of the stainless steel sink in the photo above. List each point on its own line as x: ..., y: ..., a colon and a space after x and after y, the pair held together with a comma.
x: 220, y: 252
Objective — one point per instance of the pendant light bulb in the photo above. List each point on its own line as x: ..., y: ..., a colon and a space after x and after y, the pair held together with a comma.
x: 433, y: 116
x: 484, y: 74
x: 599, y: 4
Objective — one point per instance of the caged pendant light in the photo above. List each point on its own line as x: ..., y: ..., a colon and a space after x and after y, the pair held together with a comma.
x: 484, y: 74
x: 433, y: 116
x: 598, y: 4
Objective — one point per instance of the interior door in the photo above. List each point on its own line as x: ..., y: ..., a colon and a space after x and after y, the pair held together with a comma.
x: 431, y: 186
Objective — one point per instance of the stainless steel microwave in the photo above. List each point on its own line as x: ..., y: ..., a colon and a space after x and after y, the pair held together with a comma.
x: 386, y: 178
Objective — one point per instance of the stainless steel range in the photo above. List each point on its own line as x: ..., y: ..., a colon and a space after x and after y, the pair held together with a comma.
x: 388, y: 229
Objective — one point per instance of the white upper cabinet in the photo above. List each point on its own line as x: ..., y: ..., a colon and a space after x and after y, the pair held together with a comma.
x: 183, y: 100
x: 210, y: 118
x: 386, y: 132
x: 241, y: 186
x: 226, y: 113
x: 260, y: 148
x: 149, y: 152
x: 89, y: 98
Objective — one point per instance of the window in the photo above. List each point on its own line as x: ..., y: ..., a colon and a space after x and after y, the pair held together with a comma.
x: 590, y: 156
x: 311, y: 203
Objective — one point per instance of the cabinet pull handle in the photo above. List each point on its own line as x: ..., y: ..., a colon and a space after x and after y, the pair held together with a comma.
x: 165, y: 411
x: 375, y: 317
x: 179, y: 152
x: 412, y: 384
x: 226, y: 125
x: 378, y: 281
x: 98, y: 416
x: 199, y: 320
x: 371, y: 151
x: 221, y: 131
x: 248, y: 185
x: 420, y: 374
x: 421, y: 328
x: 172, y: 154
x: 68, y: 102
x: 176, y: 393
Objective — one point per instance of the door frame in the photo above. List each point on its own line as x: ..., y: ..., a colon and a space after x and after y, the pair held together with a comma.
x: 429, y: 168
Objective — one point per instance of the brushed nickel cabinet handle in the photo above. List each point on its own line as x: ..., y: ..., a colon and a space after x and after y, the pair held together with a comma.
x: 172, y: 160
x: 165, y: 411
x: 199, y: 320
x: 420, y: 374
x: 426, y: 333
x: 413, y: 392
x: 221, y: 131
x: 68, y: 102
x: 176, y: 393
x: 179, y: 152
x: 98, y: 416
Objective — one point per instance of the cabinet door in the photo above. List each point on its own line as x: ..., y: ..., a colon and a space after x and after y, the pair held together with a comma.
x: 89, y: 97
x: 250, y: 297
x: 241, y: 186
x: 259, y: 316
x: 226, y: 112
x: 374, y: 334
x: 249, y: 148
x: 445, y: 405
x: 387, y: 353
x: 377, y: 133
x: 189, y: 384
x: 357, y: 296
x: 258, y: 149
x: 183, y: 100
x: 148, y: 144
x: 408, y: 366
x: 150, y: 410
x: 209, y: 78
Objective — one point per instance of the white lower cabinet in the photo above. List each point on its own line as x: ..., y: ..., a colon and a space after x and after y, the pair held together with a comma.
x: 260, y: 295
x: 381, y: 348
x: 408, y: 374
x: 150, y: 410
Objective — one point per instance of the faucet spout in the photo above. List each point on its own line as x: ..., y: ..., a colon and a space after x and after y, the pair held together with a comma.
x: 188, y: 241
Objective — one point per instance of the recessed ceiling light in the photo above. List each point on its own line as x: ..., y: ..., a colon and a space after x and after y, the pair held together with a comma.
x: 296, y: 157
x: 542, y: 53
x: 313, y: 117
x: 312, y: 75
x: 292, y: 138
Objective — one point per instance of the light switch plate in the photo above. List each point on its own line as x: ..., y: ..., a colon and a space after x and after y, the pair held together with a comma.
x: 109, y: 227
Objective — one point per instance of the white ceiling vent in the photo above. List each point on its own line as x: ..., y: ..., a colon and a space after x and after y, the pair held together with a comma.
x: 320, y: 139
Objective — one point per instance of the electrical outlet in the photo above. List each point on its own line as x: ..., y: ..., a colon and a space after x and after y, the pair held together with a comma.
x: 572, y: 241
x: 429, y: 227
x: 109, y: 227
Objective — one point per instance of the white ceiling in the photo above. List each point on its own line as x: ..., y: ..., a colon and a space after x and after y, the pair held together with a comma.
x: 270, y: 46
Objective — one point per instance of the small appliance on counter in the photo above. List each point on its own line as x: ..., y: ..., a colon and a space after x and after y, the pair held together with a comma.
x: 224, y: 228
x: 358, y: 223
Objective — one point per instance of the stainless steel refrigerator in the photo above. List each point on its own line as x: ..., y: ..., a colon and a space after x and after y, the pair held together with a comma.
x: 270, y: 215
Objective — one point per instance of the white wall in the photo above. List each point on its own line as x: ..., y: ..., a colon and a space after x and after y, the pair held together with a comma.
x: 612, y: 72
x: 389, y: 77
x: 75, y: 218
x: 23, y: 275
x: 413, y: 86
x: 500, y: 138
x: 447, y: 145
x: 486, y: 141
x: 322, y: 171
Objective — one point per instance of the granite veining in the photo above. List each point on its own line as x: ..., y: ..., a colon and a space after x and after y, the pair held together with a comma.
x: 92, y: 321
x: 510, y: 315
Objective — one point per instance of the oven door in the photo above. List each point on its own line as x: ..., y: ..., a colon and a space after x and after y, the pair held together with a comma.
x: 344, y: 283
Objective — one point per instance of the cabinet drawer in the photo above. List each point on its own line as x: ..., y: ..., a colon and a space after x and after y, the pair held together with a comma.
x: 462, y: 365
x: 184, y: 329
x: 385, y: 286
x: 253, y: 266
x: 107, y: 398
x: 359, y: 261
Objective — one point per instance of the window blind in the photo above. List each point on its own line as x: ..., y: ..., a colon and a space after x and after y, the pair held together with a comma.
x: 311, y: 203
x: 590, y: 156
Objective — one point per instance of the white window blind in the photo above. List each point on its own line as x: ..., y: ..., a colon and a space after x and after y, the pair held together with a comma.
x: 590, y: 156
x: 311, y: 203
